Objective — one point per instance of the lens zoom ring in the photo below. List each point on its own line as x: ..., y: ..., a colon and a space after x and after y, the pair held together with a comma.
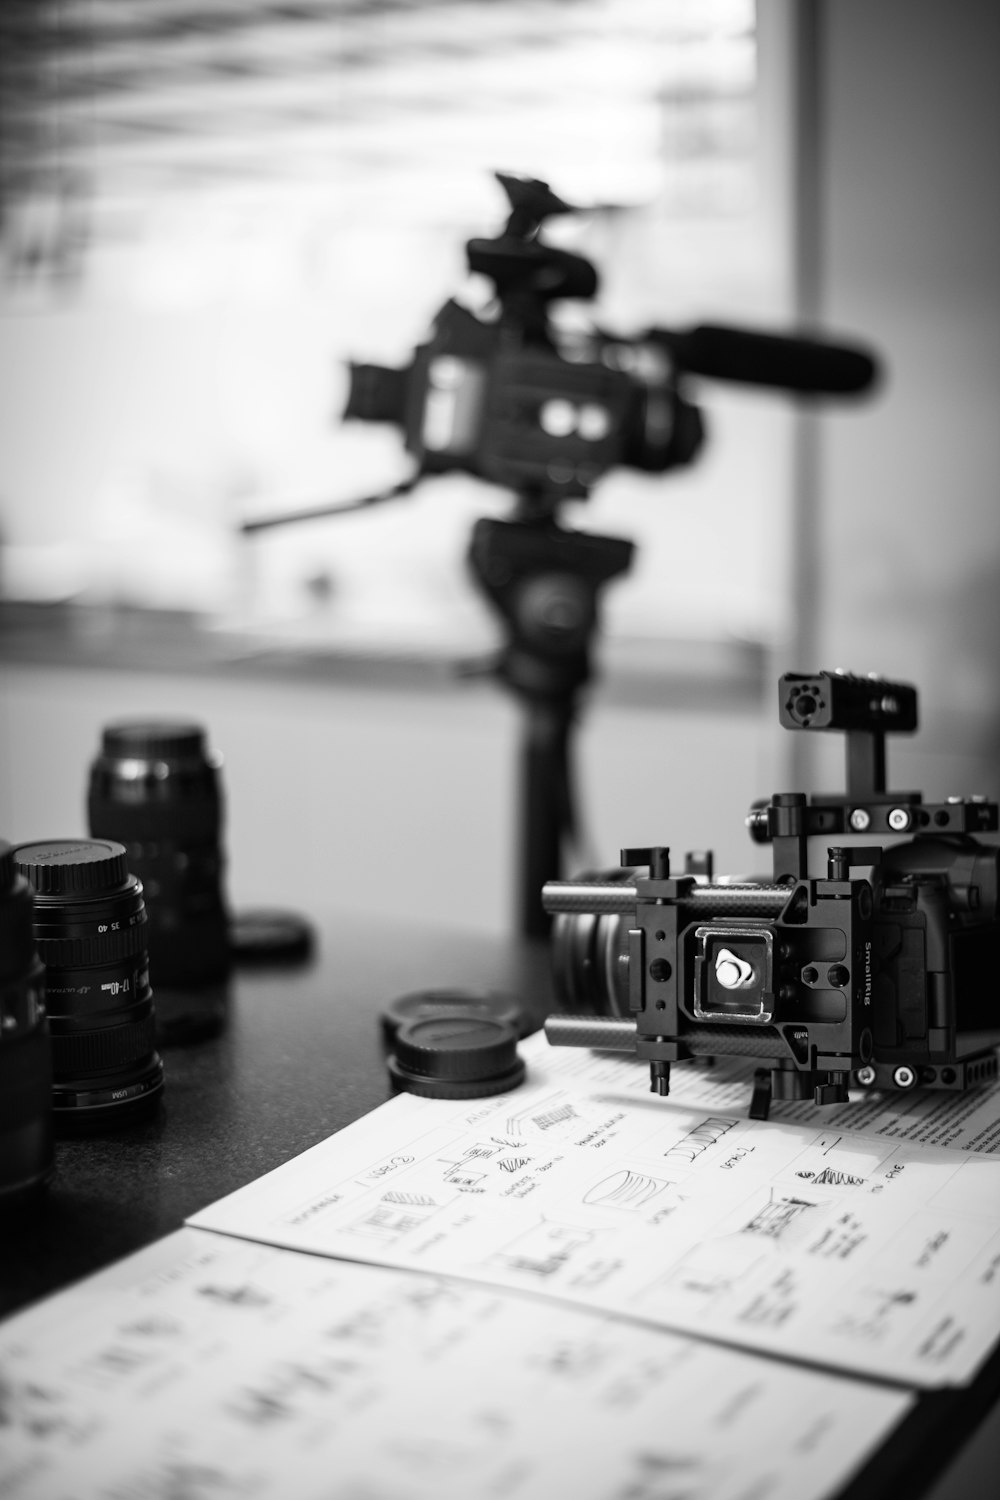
x: 101, y: 948
x: 79, y: 1053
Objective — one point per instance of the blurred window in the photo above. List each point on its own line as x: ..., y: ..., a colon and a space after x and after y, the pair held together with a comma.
x: 210, y: 206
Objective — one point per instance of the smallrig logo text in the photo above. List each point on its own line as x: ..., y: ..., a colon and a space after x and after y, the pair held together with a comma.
x: 868, y: 972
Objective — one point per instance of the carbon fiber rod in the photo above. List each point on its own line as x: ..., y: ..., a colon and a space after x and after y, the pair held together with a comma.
x: 704, y: 900
x: 603, y: 1033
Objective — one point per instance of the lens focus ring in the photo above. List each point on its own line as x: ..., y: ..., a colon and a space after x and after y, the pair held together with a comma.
x: 89, y: 923
x: 85, y: 1052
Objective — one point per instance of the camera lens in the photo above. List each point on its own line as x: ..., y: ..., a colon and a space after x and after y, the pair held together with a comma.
x: 155, y: 788
x: 25, y: 1051
x: 90, y: 930
x: 589, y: 953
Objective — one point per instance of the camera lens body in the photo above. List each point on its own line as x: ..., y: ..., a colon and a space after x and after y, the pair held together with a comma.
x: 156, y: 788
x: 26, y: 1134
x: 90, y: 929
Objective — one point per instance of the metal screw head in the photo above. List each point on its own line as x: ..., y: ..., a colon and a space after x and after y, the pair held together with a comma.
x: 904, y: 1077
x: 860, y: 819
x: 731, y: 971
x: 866, y: 1077
x: 899, y: 819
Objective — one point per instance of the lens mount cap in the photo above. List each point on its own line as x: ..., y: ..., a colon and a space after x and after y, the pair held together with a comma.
x: 73, y: 867
x: 450, y: 1002
x: 456, y: 1056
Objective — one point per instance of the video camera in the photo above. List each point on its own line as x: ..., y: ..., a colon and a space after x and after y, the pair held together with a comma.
x: 883, y: 968
x: 547, y: 413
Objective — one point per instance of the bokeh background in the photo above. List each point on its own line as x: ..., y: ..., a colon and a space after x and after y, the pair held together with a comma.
x: 207, y: 209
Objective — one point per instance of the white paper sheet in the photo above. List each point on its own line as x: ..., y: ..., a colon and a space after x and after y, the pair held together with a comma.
x: 853, y: 1251
x: 207, y: 1368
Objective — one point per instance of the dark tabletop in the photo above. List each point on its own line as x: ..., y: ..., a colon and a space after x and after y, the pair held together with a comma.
x: 302, y: 1055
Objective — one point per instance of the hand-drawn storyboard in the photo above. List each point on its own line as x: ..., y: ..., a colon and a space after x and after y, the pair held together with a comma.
x: 850, y: 1251
x: 212, y: 1369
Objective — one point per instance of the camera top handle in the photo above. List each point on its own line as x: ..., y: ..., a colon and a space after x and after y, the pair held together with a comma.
x: 864, y: 709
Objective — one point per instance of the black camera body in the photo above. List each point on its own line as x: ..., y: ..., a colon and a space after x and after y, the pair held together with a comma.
x: 515, y: 403
x: 881, y: 970
x: 515, y: 400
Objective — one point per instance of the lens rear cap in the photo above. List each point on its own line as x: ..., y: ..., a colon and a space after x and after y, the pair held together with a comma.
x: 458, y: 1056
x: 267, y: 935
x: 449, y: 1002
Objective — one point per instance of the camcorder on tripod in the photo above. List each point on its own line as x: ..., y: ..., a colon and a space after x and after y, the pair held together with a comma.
x: 511, y: 398
x: 881, y: 970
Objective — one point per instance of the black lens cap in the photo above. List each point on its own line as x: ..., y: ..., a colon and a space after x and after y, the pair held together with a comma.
x: 457, y: 1056
x: 267, y: 935
x: 73, y: 867
x: 450, y: 1002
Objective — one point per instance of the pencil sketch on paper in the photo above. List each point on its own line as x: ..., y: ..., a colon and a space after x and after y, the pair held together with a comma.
x: 831, y: 1177
x: 493, y: 1155
x: 544, y: 1250
x: 626, y: 1189
x: 707, y: 1133
x: 544, y: 1115
x: 779, y: 1217
x: 388, y: 1221
x: 37, y: 1410
x: 872, y: 1313
x: 246, y: 1295
x: 290, y: 1386
x: 704, y: 1276
x: 669, y: 1476
x: 178, y: 1479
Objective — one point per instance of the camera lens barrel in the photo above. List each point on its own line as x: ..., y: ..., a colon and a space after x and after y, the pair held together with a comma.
x: 90, y: 929
x: 26, y: 1134
x: 155, y: 787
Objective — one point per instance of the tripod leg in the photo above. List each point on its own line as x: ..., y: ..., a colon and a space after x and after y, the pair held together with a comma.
x: 545, y: 813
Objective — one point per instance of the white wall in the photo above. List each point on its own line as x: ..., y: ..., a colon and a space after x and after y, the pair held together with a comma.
x: 909, y: 255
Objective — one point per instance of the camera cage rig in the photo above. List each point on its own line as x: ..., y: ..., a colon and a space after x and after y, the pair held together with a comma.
x: 879, y: 969
x: 503, y: 401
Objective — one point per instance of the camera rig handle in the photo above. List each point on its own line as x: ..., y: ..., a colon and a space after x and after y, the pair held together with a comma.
x: 864, y: 709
